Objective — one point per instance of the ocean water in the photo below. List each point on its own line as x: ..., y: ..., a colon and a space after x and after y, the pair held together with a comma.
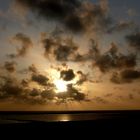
x: 26, y: 117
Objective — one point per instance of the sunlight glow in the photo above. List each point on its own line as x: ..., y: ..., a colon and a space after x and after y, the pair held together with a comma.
x: 61, y: 86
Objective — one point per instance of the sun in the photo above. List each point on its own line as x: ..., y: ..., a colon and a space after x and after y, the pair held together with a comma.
x: 61, y: 86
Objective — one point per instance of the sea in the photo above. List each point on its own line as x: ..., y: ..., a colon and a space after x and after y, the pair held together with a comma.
x: 10, y: 117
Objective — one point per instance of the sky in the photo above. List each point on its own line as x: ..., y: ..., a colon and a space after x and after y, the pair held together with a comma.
x: 69, y: 55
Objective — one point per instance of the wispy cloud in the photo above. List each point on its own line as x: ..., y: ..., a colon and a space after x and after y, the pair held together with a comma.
x: 25, y: 44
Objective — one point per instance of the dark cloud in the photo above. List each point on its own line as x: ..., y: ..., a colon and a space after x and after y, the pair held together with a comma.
x: 26, y: 43
x: 72, y: 93
x: 63, y: 52
x: 34, y: 92
x: 125, y: 76
x: 109, y: 60
x: 57, y: 31
x: 93, y: 53
x: 67, y: 75
x: 48, y: 94
x: 75, y: 15
x: 10, y: 66
x: 50, y: 8
x: 134, y: 40
x: 60, y: 49
x: 48, y: 44
x: 80, y: 58
x: 33, y: 68
x: 114, y: 60
x: 130, y: 74
x: 10, y: 89
x: 40, y: 79
x: 81, y: 78
x: 13, y: 90
x: 75, y: 93
x: 127, y: 61
x: 74, y: 23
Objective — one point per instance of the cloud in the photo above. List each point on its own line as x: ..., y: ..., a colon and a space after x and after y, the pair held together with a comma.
x: 34, y: 92
x: 74, y: 15
x: 67, y: 50
x: 74, y: 23
x: 49, y: 94
x: 51, y: 9
x: 11, y: 56
x: 25, y: 43
x: 22, y: 90
x: 134, y: 40
x: 18, y: 10
x: 130, y: 74
x: 14, y: 90
x: 93, y: 53
x: 95, y: 16
x: 63, y: 52
x: 10, y: 89
x: 40, y: 79
x: 60, y: 49
x: 48, y: 44
x: 121, y: 26
x: 100, y: 100
x: 115, y: 78
x: 72, y: 94
x: 25, y: 82
x: 81, y: 78
x: 125, y: 76
x: 67, y: 75
x: 33, y: 68
x: 114, y: 60
x: 10, y: 66
x: 75, y: 94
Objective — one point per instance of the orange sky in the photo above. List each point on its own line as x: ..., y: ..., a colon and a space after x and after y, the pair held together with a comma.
x: 78, y: 56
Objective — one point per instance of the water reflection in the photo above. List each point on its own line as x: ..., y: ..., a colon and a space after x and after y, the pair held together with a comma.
x: 64, y: 118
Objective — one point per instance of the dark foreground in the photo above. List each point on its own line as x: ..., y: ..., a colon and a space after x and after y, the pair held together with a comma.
x: 94, y: 122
